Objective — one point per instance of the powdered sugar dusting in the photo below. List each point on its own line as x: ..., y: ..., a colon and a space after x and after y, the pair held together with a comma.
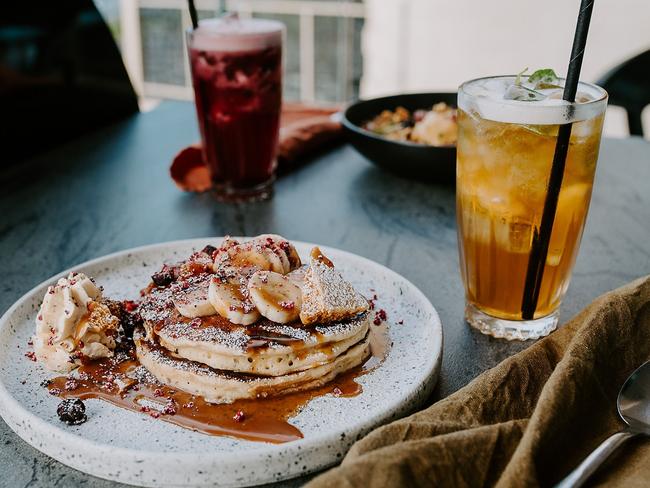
x: 234, y: 339
x: 327, y: 296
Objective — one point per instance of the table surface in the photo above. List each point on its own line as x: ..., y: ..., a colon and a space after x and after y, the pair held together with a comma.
x: 111, y: 191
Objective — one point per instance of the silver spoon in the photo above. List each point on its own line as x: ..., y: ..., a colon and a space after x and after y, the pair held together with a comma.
x: 634, y: 408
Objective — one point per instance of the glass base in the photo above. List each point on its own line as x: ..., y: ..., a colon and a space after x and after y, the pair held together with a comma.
x: 511, y: 329
x: 228, y: 194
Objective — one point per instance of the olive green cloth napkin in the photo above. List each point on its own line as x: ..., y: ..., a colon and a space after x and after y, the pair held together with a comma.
x: 527, y: 422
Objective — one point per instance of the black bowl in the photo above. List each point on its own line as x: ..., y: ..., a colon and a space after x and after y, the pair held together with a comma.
x: 402, y: 158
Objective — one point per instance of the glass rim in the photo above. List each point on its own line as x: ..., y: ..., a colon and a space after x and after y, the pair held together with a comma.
x: 207, y: 39
x: 603, y: 93
x: 278, y: 27
x: 519, y: 111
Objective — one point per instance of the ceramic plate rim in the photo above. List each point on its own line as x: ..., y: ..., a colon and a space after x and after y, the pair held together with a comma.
x: 9, y: 404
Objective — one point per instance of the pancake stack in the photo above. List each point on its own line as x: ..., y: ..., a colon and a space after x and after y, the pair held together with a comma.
x: 248, y: 320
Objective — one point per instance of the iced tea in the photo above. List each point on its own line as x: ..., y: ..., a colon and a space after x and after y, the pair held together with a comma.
x: 505, y: 152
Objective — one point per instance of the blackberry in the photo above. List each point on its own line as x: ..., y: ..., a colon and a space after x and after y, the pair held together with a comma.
x: 209, y: 250
x: 72, y: 411
x: 163, y: 277
x: 130, y: 322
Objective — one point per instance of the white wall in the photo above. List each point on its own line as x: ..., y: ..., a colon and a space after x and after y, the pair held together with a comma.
x: 434, y: 45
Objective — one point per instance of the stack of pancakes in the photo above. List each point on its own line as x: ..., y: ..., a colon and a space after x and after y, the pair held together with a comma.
x: 227, y: 324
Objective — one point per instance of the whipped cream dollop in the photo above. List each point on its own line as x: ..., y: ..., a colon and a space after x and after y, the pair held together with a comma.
x: 73, y: 323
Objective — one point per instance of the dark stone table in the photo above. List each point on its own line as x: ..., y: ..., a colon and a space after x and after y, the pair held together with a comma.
x: 111, y: 191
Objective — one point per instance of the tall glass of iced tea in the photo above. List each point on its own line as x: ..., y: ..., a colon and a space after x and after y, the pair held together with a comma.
x: 506, y: 141
x: 236, y: 69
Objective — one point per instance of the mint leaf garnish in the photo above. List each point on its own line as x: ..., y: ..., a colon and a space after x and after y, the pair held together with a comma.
x: 544, y: 78
x: 519, y: 75
x: 529, y: 91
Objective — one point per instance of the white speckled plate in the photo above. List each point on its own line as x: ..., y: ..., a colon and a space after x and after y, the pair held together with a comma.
x: 126, y: 446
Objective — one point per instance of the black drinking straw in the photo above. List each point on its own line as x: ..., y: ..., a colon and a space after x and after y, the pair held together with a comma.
x: 193, y: 14
x: 542, y: 237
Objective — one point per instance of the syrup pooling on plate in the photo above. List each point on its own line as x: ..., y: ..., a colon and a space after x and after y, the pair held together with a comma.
x: 122, y: 381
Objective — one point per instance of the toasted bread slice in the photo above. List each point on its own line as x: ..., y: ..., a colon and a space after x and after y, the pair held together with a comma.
x: 327, y: 297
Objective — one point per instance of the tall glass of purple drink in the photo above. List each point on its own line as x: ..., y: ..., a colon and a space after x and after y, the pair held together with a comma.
x: 236, y: 69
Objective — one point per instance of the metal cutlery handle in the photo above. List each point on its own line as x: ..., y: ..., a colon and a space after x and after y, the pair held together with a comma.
x: 587, y: 467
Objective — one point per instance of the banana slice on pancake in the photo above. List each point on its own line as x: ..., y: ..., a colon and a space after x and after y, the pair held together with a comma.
x: 191, y: 298
x: 297, y: 276
x: 244, y: 259
x: 278, y: 261
x: 292, y: 255
x: 230, y: 302
x: 276, y: 297
x: 283, y: 248
x: 267, y: 252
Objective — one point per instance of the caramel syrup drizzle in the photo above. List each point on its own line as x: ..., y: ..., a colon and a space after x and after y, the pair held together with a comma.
x: 261, y: 419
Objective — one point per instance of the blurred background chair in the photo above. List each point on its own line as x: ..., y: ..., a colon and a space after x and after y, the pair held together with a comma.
x: 628, y: 85
x: 61, y: 75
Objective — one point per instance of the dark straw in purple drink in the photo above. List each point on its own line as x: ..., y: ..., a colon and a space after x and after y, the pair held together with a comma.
x: 193, y: 15
x: 542, y: 236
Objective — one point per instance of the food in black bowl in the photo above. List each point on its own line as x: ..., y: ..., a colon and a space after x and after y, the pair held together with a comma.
x: 410, y: 135
x: 436, y: 127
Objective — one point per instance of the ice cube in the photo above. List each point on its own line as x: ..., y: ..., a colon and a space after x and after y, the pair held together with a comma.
x: 554, y: 257
x: 570, y: 206
x: 543, y: 130
x: 477, y: 224
x: 523, y: 94
x: 494, y: 214
x: 585, y: 128
x: 521, y: 235
x: 513, y: 234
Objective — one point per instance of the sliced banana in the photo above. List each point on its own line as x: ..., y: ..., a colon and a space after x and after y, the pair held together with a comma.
x: 292, y: 255
x: 267, y: 252
x: 192, y: 302
x: 249, y: 258
x: 227, y: 243
x: 229, y: 302
x: 277, y: 259
x: 297, y: 276
x: 242, y: 257
x: 286, y: 264
x: 283, y: 248
x: 275, y: 296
